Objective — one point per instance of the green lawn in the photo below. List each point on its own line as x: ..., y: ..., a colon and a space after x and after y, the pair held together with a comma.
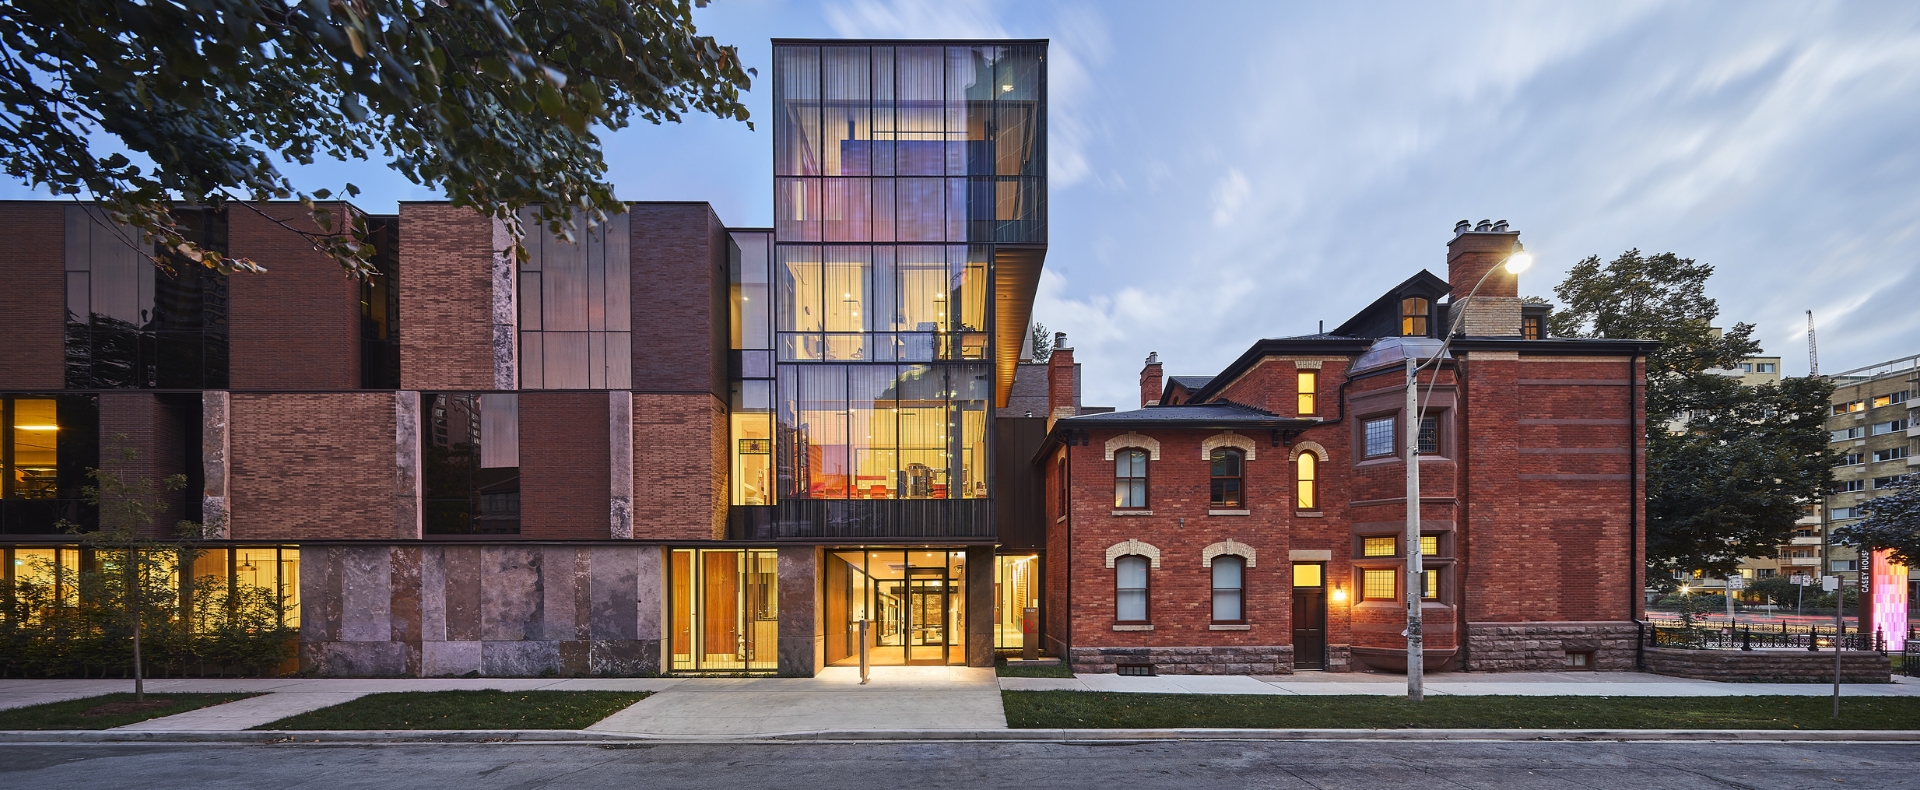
x: 105, y: 711
x: 465, y: 710
x: 1106, y: 710
x: 1060, y: 670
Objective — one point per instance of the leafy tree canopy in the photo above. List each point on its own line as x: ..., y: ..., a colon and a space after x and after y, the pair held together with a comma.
x: 1729, y: 467
x: 1892, y: 522
x: 495, y: 102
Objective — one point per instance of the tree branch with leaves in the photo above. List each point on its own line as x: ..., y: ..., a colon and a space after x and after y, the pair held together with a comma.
x: 497, y: 103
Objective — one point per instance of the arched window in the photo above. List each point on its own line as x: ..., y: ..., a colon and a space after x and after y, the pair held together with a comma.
x: 1227, y: 481
x: 1413, y: 317
x: 1130, y: 589
x: 1229, y: 578
x: 1307, y: 482
x: 1130, y: 479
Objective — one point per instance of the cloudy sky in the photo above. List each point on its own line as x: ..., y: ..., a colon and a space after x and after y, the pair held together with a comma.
x: 1222, y: 173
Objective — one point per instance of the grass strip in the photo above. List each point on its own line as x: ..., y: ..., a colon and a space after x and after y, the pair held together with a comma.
x: 1119, y: 710
x: 465, y: 710
x: 106, y: 711
x: 1002, y: 669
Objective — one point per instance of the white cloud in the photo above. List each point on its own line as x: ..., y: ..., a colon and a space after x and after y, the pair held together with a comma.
x: 1229, y: 196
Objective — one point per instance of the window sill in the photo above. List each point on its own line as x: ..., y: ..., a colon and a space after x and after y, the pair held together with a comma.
x: 1136, y: 627
x: 1308, y: 514
x: 1241, y: 627
x: 1229, y: 512
x: 1133, y: 512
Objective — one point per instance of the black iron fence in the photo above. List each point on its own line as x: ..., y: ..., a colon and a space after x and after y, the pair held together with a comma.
x: 1765, y: 637
x: 1910, y: 659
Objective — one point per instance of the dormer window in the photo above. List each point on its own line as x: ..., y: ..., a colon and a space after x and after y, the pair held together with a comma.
x: 1413, y: 317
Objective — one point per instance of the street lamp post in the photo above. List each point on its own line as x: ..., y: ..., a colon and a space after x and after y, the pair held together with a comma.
x: 1416, y: 586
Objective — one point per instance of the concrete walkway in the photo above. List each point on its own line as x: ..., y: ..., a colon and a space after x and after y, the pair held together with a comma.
x: 1530, y: 684
x: 897, y: 698
x: 245, y: 714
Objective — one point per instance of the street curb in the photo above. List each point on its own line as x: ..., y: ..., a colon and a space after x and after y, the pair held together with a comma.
x: 585, y: 737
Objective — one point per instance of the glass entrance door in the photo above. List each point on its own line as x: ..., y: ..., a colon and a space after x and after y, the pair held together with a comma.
x: 914, y: 603
x: 927, y: 612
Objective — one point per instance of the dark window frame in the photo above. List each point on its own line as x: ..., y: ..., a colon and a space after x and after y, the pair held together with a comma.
x: 1213, y: 588
x: 1146, y: 590
x: 1145, y: 478
x: 1238, y: 479
x: 1415, y: 315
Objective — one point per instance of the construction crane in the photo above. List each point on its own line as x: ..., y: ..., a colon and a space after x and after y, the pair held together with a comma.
x: 1813, y: 349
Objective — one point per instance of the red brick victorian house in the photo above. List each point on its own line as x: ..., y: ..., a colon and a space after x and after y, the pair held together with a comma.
x: 1252, y: 521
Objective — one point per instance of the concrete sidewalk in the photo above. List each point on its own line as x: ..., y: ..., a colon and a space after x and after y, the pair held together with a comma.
x: 897, y: 698
x: 1529, y: 684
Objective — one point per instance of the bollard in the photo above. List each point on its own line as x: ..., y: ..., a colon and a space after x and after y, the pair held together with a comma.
x: 863, y: 652
x: 1746, y: 638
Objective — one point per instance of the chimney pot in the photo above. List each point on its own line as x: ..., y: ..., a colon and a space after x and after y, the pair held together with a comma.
x: 1484, y: 226
x: 1500, y: 227
x: 1461, y: 227
x: 1060, y: 341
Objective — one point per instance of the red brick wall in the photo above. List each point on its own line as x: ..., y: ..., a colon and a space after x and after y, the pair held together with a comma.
x: 680, y: 309
x: 446, y: 298
x: 312, y: 466
x: 564, y: 484
x: 1469, y: 257
x: 679, y: 467
x: 1547, y: 488
x: 155, y: 434
x: 33, y: 304
x: 1180, y: 590
x: 297, y: 325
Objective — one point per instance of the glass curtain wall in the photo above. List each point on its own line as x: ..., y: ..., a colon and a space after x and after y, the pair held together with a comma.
x: 131, y: 325
x: 1016, y: 586
x: 47, y: 444
x: 725, y: 609
x: 470, y: 463
x: 897, y: 170
x: 914, y: 602
x: 576, y: 316
x: 752, y: 395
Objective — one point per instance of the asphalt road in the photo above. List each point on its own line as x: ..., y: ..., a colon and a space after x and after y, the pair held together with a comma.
x: 1370, y: 765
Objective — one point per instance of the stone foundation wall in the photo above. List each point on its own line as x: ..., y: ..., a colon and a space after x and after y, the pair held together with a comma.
x: 1768, y: 666
x: 1543, y: 647
x: 514, y: 610
x: 1250, y: 660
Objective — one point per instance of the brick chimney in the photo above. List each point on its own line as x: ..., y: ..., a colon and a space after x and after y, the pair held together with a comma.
x: 1474, y: 250
x: 1060, y: 387
x: 1150, y: 381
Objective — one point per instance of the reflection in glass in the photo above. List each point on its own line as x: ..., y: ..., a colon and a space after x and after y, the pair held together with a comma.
x: 576, y: 312
x: 723, y: 609
x: 914, y: 603
x: 470, y: 463
x: 1016, y: 583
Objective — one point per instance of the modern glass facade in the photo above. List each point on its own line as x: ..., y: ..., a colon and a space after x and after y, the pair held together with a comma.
x: 131, y: 325
x: 576, y: 316
x: 47, y: 444
x: 470, y: 463
x: 864, y: 322
x: 724, y: 608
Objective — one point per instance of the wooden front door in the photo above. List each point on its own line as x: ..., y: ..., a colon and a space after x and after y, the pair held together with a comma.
x: 1309, y: 617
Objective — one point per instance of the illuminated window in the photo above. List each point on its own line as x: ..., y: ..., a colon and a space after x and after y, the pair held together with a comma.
x: 1130, y: 479
x: 1379, y: 584
x: 1309, y: 393
x: 1378, y: 547
x: 1413, y: 317
x: 1430, y: 545
x: 1430, y: 586
x: 1306, y: 575
x: 1307, y: 482
x: 1530, y: 328
x: 1225, y: 472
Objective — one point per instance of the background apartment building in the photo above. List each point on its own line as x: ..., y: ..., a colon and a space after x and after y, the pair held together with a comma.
x: 1872, y: 430
x: 670, y: 446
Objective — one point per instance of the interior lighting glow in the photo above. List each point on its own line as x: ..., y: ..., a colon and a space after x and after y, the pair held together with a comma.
x: 36, y: 427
